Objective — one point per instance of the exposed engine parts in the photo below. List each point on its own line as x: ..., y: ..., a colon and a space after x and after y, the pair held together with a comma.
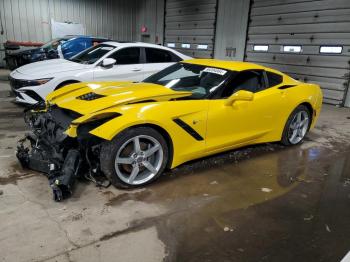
x: 49, y: 150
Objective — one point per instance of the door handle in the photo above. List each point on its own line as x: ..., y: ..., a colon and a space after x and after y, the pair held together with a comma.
x: 136, y: 69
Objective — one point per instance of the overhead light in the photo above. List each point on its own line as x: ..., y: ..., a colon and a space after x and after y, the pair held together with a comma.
x: 261, y: 48
x: 170, y: 44
x: 185, y: 45
x: 331, y: 49
x: 292, y: 48
x: 202, y: 46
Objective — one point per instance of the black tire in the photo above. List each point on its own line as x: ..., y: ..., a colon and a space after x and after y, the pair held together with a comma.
x: 110, y: 149
x: 285, y: 135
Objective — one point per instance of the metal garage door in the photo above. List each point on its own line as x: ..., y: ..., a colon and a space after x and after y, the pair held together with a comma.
x: 309, y: 40
x: 190, y: 26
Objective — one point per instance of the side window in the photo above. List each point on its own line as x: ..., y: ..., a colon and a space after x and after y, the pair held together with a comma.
x: 127, y: 56
x: 249, y: 80
x: 154, y: 55
x: 273, y: 79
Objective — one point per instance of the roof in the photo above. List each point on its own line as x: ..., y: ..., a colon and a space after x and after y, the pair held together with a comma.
x: 229, y: 65
x: 119, y: 44
x: 141, y: 44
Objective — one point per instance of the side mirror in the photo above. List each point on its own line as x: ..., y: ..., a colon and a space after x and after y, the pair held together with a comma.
x: 108, y: 62
x: 241, y: 95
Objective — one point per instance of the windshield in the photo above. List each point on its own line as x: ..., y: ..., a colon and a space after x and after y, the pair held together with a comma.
x: 92, y: 54
x: 199, y: 79
x: 53, y: 44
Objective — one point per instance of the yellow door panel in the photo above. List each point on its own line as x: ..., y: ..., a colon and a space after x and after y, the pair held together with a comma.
x: 243, y: 121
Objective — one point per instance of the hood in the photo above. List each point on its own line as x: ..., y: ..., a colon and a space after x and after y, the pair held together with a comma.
x: 88, y: 98
x: 49, y: 67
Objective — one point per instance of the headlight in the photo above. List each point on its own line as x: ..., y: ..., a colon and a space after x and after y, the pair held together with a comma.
x: 37, y: 82
x: 19, y: 83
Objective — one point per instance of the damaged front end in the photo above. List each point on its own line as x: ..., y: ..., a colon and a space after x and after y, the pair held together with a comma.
x: 47, y: 149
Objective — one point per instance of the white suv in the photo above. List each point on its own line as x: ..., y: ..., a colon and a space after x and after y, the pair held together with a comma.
x: 109, y: 61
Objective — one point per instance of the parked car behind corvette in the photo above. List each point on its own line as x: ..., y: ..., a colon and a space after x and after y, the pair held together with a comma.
x: 107, y: 61
x: 64, y: 47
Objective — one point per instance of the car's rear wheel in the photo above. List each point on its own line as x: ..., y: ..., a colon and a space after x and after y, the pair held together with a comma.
x: 297, y: 126
x: 135, y: 157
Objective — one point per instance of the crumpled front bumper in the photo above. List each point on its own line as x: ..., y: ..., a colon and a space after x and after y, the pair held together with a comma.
x: 47, y: 149
x: 61, y: 175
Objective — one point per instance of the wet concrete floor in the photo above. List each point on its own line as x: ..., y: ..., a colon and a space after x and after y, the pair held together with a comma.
x: 259, y: 203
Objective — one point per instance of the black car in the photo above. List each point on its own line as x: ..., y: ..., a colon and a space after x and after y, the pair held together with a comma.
x: 64, y: 47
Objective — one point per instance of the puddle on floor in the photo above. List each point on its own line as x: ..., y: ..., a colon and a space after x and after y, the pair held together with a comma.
x: 286, y: 204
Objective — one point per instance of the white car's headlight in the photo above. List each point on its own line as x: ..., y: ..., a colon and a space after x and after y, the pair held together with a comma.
x: 37, y: 82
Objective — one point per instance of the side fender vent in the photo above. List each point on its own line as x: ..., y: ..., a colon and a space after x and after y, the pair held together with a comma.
x: 286, y: 86
x: 188, y: 129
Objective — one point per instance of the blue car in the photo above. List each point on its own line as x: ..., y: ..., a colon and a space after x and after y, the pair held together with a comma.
x: 64, y: 47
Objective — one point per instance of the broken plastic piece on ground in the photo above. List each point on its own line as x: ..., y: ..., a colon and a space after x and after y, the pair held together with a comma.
x: 308, y: 218
x: 62, y: 184
x: 266, y: 190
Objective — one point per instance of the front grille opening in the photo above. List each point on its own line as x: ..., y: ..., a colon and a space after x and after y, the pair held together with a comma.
x: 63, y: 116
x: 34, y: 95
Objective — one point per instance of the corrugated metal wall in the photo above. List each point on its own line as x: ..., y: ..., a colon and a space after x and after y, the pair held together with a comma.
x: 310, y: 24
x: 231, y: 29
x: 29, y: 20
x: 151, y: 15
x: 190, y: 26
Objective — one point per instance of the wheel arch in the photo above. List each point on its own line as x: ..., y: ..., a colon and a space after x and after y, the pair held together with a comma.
x: 66, y: 82
x: 311, y: 110
x: 308, y: 106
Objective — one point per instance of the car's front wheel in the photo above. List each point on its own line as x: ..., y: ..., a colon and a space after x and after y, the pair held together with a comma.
x: 297, y: 126
x: 135, y: 157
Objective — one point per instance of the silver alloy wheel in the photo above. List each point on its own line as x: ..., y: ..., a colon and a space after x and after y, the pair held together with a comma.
x: 138, y: 160
x: 298, y: 127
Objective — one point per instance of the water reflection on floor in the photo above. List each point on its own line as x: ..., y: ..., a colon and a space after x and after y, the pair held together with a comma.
x: 267, y: 203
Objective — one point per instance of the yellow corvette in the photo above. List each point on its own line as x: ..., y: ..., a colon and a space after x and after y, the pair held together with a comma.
x: 131, y: 132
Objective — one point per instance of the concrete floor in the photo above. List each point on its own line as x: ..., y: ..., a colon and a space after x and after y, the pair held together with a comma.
x: 261, y: 203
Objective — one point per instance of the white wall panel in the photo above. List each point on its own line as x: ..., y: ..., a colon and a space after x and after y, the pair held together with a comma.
x: 151, y: 15
x: 29, y: 20
x: 310, y: 24
x: 231, y: 29
x: 193, y: 23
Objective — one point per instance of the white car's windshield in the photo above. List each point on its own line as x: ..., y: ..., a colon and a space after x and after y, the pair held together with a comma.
x: 198, y: 79
x: 92, y: 54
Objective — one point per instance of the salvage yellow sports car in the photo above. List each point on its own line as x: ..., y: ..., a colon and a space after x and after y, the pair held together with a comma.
x: 131, y: 132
